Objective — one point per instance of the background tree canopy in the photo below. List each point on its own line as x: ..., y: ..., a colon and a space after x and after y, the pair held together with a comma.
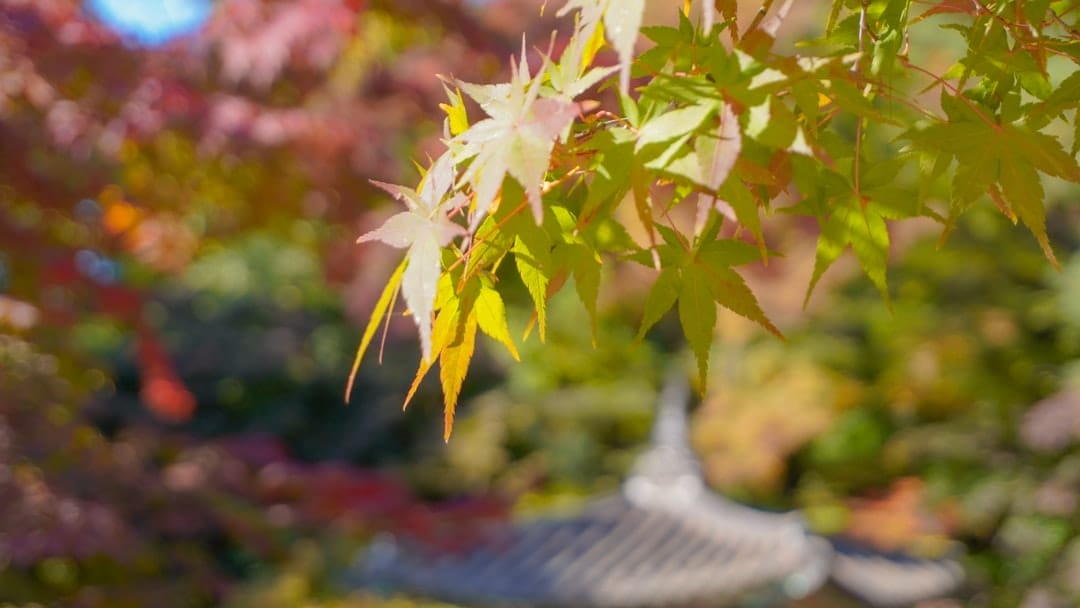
x: 181, y: 293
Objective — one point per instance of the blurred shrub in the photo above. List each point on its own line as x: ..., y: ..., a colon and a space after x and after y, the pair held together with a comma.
x: 968, y: 383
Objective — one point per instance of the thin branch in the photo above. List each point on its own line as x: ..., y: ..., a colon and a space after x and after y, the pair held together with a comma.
x: 772, y: 26
x: 1072, y: 32
x: 856, y: 68
x: 955, y: 91
x: 764, y: 10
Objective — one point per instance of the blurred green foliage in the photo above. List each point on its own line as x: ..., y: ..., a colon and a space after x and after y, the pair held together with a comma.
x: 968, y: 383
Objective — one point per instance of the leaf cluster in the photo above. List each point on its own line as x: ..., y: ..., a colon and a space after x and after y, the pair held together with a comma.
x: 721, y: 131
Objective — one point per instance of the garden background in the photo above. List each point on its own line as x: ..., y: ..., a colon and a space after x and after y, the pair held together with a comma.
x: 181, y: 296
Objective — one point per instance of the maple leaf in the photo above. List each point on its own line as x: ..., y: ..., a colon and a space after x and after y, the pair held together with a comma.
x: 384, y: 303
x: 708, y: 280
x: 1001, y: 160
x: 453, y: 365
x: 863, y: 229
x: 697, y: 314
x: 621, y: 20
x: 717, y: 160
x: 491, y: 316
x: 571, y: 77
x: 516, y: 138
x: 661, y: 298
x: 424, y: 229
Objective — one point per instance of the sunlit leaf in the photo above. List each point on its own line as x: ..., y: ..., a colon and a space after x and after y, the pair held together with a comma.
x: 773, y: 124
x: 639, y: 185
x: 456, y: 115
x: 516, y: 139
x: 1007, y: 155
x: 446, y: 328
x: 727, y: 252
x: 730, y: 291
x: 571, y: 76
x: 586, y: 267
x: 622, y: 20
x: 453, y: 366
x: 533, y: 265
x: 676, y: 123
x: 741, y: 201
x: 377, y: 315
x: 491, y: 316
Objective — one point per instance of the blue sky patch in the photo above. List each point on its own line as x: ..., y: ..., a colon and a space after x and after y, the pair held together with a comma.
x: 151, y: 22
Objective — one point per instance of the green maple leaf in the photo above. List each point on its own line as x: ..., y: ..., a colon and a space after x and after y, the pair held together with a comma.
x: 676, y: 123
x: 731, y: 291
x: 862, y: 227
x: 697, y: 314
x: 661, y: 298
x: 1004, y: 161
x: 707, y: 281
x: 711, y: 265
x: 576, y: 254
x: 698, y: 280
x: 532, y: 256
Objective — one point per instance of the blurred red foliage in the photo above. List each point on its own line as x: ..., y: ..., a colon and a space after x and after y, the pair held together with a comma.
x: 138, y: 503
x: 136, y: 156
x: 162, y: 391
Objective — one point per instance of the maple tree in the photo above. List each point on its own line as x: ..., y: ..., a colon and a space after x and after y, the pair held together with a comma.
x: 721, y: 130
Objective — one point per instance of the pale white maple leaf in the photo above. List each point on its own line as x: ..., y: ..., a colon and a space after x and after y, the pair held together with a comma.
x: 591, y: 12
x: 569, y: 77
x: 424, y: 229
x: 622, y: 22
x: 517, y: 138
